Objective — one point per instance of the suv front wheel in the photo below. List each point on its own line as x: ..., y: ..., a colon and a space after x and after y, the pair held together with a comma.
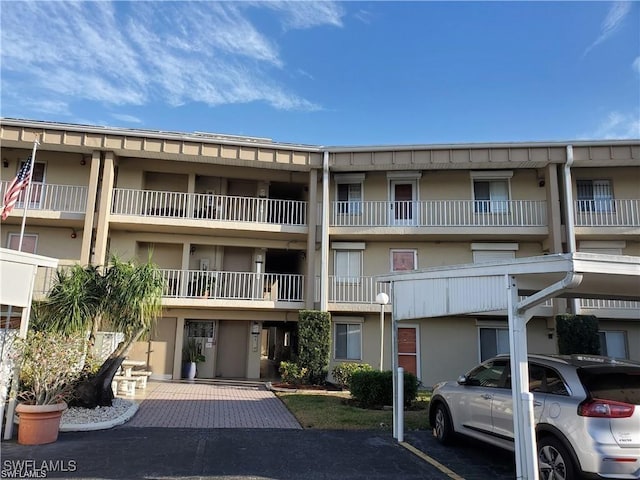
x: 554, y: 460
x: 442, y: 426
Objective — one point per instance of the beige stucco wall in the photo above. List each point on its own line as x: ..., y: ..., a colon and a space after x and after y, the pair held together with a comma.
x: 158, y: 350
x: 52, y: 242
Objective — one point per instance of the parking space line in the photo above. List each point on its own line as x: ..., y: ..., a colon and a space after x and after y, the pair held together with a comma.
x: 451, y: 474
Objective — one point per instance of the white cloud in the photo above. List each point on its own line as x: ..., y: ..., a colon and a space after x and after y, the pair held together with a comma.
x: 123, y: 117
x: 617, y: 13
x: 636, y: 65
x: 617, y: 125
x: 136, y: 53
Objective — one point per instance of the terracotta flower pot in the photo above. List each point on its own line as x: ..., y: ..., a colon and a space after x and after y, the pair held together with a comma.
x: 39, y: 424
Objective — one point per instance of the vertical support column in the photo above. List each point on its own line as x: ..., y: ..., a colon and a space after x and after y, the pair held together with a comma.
x: 92, y: 194
x: 400, y: 389
x: 522, y: 399
x: 394, y: 368
x: 312, y: 225
x: 324, y: 264
x: 190, y: 204
x: 177, y: 351
x: 104, y: 209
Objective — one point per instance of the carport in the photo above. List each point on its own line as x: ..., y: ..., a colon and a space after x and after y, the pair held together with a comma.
x: 501, y: 286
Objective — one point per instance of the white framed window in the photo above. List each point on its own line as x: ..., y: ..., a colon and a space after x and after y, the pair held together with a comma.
x: 595, y: 196
x: 29, y: 242
x: 403, y: 260
x: 348, y: 266
x: 347, y: 340
x: 491, y: 191
x: 490, y: 252
x: 613, y: 343
x: 349, y: 193
x: 493, y: 341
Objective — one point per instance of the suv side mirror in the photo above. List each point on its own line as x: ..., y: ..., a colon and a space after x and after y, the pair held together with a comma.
x: 464, y: 380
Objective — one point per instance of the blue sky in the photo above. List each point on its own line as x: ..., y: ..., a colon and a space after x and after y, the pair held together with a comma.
x: 329, y: 73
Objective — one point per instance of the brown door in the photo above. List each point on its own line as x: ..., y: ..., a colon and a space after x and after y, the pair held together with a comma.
x: 408, y: 349
x: 232, y: 349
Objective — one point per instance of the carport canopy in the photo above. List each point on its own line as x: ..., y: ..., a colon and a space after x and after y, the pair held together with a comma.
x: 500, y: 286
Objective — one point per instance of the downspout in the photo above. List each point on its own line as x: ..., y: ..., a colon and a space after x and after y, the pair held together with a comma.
x: 324, y: 252
x: 570, y: 217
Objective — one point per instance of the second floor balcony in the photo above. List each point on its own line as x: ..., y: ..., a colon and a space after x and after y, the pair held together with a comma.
x: 440, y: 213
x: 607, y: 213
x: 208, y: 207
x: 71, y: 199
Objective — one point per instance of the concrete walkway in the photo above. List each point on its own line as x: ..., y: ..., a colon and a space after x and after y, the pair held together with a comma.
x: 211, y: 405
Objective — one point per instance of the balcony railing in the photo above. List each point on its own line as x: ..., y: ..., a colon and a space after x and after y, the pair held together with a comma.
x: 440, y: 213
x: 59, y: 198
x: 353, y: 289
x: 149, y: 203
x: 592, y: 303
x: 218, y: 285
x: 607, y: 213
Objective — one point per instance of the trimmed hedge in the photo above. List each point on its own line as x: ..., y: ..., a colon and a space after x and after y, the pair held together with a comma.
x: 375, y: 389
x: 292, y: 373
x: 343, y: 372
x: 577, y: 334
x: 314, y: 340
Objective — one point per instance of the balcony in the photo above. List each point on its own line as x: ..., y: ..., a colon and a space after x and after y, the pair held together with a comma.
x: 356, y: 290
x: 206, y: 207
x: 248, y: 286
x: 69, y: 199
x: 440, y: 213
x: 607, y: 213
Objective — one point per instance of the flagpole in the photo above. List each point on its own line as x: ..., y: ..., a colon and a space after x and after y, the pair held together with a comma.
x: 36, y: 142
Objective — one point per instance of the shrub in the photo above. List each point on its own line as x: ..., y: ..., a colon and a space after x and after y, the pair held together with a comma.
x: 314, y: 339
x: 577, y: 334
x: 343, y: 372
x: 292, y: 373
x: 375, y: 389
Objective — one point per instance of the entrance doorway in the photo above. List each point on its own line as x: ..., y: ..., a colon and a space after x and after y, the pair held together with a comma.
x: 203, y: 333
x: 403, y: 202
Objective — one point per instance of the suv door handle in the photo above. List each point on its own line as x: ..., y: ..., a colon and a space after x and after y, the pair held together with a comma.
x: 537, y: 404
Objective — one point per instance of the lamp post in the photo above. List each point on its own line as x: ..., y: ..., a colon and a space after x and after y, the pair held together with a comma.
x: 382, y: 299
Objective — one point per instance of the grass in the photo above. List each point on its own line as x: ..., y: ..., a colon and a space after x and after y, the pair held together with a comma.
x: 335, y: 411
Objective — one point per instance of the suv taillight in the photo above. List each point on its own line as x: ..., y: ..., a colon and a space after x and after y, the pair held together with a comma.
x: 596, y: 407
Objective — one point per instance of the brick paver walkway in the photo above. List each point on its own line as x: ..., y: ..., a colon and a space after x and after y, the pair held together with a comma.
x: 187, y: 405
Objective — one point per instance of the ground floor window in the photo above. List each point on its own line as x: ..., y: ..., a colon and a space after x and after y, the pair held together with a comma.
x: 613, y: 344
x: 493, y: 341
x: 347, y: 341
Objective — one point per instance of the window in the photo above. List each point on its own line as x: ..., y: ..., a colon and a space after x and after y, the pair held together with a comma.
x: 493, y: 341
x: 348, y: 267
x: 403, y: 260
x: 347, y: 341
x: 350, y: 198
x: 349, y: 193
x: 491, y: 196
x: 595, y: 196
x: 29, y: 242
x: 613, y: 344
x: 489, y: 374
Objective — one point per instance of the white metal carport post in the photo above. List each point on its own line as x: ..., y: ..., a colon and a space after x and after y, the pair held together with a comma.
x: 522, y: 399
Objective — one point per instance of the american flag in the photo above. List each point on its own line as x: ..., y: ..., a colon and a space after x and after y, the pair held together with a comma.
x: 15, y: 187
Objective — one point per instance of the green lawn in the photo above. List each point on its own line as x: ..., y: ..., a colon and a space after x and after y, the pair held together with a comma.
x: 335, y: 411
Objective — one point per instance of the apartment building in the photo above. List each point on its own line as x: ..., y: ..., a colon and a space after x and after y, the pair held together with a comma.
x: 247, y: 232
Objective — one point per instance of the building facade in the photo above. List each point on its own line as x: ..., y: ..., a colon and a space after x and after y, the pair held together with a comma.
x: 247, y: 232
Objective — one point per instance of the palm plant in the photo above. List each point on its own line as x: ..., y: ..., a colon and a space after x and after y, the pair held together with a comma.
x: 124, y: 295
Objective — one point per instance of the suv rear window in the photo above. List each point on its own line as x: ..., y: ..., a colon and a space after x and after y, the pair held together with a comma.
x: 620, y: 384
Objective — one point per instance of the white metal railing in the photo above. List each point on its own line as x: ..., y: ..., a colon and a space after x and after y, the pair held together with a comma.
x: 150, y: 203
x: 593, y: 303
x: 353, y: 290
x: 607, y: 213
x: 233, y: 285
x: 440, y: 213
x: 59, y: 198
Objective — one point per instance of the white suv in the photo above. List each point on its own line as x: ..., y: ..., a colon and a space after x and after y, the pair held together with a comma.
x: 586, y: 410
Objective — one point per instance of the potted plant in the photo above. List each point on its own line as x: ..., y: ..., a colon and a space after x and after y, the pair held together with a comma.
x: 50, y: 363
x: 191, y: 355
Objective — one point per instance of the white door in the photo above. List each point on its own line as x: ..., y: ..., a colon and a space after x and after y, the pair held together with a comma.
x: 402, y: 205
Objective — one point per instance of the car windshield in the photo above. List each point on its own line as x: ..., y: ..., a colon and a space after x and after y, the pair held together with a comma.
x: 607, y: 383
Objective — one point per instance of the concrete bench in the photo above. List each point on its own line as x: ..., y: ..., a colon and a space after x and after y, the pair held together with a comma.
x: 124, y: 385
x: 140, y: 376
